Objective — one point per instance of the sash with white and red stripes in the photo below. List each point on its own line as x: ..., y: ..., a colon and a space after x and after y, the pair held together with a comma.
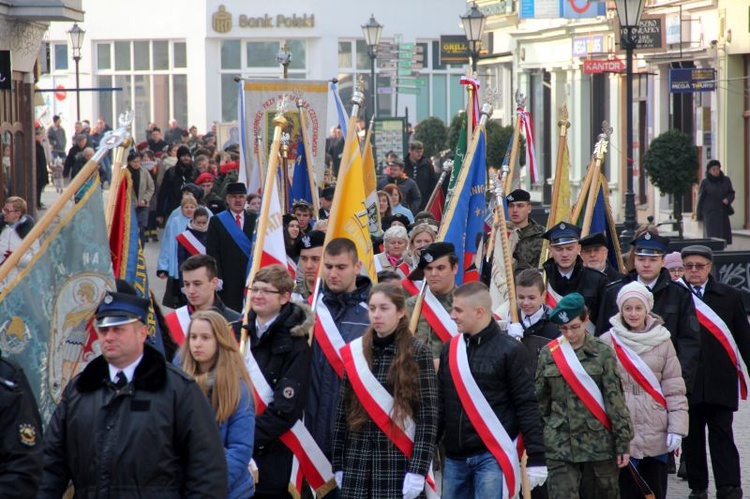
x: 403, y: 269
x: 553, y: 297
x: 191, y: 243
x: 328, y: 336
x: 437, y: 317
x: 719, y: 329
x: 638, y: 370
x: 579, y: 380
x: 310, y: 459
x: 379, y: 405
x: 483, y: 418
x: 411, y: 287
x: 178, y: 322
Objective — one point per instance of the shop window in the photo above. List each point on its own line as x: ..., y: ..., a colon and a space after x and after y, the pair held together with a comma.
x: 231, y: 57
x: 262, y: 54
x: 228, y: 98
x: 298, y: 49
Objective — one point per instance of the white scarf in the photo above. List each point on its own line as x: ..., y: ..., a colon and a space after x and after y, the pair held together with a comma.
x: 653, y: 335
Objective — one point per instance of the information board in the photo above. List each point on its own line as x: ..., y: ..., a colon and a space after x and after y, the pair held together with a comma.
x: 389, y: 135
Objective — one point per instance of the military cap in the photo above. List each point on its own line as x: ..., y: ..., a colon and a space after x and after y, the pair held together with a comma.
x: 593, y: 240
x: 518, y: 195
x: 313, y: 239
x: 698, y: 249
x: 568, y: 308
x: 650, y: 244
x: 433, y: 251
x: 396, y: 217
x: 193, y: 189
x: 117, y: 309
x: 301, y: 204
x: 204, y: 178
x: 562, y: 233
x: 237, y: 188
x: 327, y: 193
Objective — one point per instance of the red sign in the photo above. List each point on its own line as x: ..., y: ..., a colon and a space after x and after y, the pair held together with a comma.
x: 591, y: 66
x: 60, y: 93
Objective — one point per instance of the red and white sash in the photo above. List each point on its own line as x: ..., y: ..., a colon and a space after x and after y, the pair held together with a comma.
x: 437, y: 317
x: 483, y: 418
x: 411, y: 287
x: 638, y: 370
x: 719, y: 329
x: 310, y: 460
x: 579, y: 380
x: 379, y: 405
x: 328, y: 336
x: 553, y: 297
x: 403, y: 269
x: 179, y: 322
x: 191, y: 243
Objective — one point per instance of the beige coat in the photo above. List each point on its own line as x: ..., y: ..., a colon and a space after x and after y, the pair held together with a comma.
x: 651, y: 422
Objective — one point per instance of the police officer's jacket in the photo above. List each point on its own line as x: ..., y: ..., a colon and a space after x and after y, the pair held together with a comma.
x: 588, y: 282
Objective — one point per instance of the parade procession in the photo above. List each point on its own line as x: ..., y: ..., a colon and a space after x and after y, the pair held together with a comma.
x: 421, y: 277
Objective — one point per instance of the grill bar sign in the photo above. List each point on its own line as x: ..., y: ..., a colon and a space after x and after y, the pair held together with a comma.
x: 594, y: 66
x: 687, y: 80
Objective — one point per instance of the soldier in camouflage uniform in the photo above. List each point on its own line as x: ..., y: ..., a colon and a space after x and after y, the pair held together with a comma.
x: 440, y: 265
x: 529, y: 246
x: 309, y: 247
x: 583, y: 456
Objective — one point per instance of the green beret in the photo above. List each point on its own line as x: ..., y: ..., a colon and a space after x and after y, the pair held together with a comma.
x: 568, y: 308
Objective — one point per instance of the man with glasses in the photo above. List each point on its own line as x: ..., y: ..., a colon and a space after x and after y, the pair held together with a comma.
x: 672, y: 301
x: 714, y: 397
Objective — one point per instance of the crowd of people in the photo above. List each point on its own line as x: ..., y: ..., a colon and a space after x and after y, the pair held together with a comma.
x: 603, y: 377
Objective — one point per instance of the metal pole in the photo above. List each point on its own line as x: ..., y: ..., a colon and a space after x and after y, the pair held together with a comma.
x: 630, y: 217
x: 77, y: 59
x: 474, y: 56
x: 373, y: 84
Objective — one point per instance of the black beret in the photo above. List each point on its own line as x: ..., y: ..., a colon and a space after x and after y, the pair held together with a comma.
x: 697, y: 249
x: 397, y: 217
x: 592, y: 240
x: 518, y: 195
x: 433, y: 251
x: 313, y: 239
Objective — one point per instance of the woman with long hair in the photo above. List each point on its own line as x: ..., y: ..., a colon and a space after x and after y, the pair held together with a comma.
x: 396, y: 199
x: 291, y: 235
x: 366, y: 462
x: 384, y: 205
x: 211, y: 356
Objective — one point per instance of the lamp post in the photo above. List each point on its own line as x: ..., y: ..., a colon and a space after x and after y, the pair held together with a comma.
x: 76, y: 35
x: 473, y: 22
x: 629, y: 14
x: 372, y: 31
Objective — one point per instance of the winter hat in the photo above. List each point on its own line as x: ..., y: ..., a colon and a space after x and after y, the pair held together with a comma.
x: 183, y: 151
x: 635, y: 290
x: 673, y: 260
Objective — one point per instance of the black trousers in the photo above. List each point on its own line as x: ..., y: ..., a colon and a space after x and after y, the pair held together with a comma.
x: 653, y: 472
x: 725, y: 459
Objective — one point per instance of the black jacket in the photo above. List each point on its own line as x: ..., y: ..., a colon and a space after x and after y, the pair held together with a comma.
x: 21, y: 443
x: 283, y: 356
x: 588, y: 282
x: 350, y: 316
x: 536, y: 337
x: 70, y: 159
x: 23, y: 227
x: 411, y: 197
x: 500, y: 366
x: 716, y: 377
x: 155, y: 438
x: 612, y: 273
x: 170, y: 190
x: 425, y: 177
x: 673, y: 303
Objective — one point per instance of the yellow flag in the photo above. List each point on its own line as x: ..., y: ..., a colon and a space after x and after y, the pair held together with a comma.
x: 371, y: 187
x: 349, y: 212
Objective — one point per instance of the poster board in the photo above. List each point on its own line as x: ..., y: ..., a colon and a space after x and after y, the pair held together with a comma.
x: 389, y: 135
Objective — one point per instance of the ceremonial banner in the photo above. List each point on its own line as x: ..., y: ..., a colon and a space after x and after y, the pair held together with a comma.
x: 261, y: 100
x: 47, y: 311
x: 301, y: 190
x: 371, y: 186
x: 601, y: 219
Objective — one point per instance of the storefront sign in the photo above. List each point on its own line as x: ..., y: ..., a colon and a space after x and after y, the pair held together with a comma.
x: 673, y: 29
x: 591, y: 66
x: 568, y: 9
x: 221, y: 21
x: 585, y: 45
x: 454, y: 49
x: 687, y: 80
x: 5, y: 70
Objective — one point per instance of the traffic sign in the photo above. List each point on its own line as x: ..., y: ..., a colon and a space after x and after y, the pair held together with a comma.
x: 405, y: 72
x: 413, y: 81
x: 405, y: 64
x: 385, y: 90
x: 409, y: 90
x: 405, y: 46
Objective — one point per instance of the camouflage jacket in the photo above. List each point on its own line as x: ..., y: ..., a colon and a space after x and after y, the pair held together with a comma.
x: 301, y: 290
x: 424, y: 332
x: 571, y: 432
x: 529, y: 246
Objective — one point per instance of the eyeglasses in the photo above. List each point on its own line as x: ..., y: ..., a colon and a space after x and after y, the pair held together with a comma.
x: 695, y: 266
x: 572, y: 329
x: 264, y: 291
x: 6, y: 211
x: 676, y: 270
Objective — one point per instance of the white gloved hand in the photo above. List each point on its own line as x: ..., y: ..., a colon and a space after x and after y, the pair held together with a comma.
x: 673, y: 442
x: 537, y: 475
x: 413, y: 485
x: 515, y: 330
x: 339, y: 477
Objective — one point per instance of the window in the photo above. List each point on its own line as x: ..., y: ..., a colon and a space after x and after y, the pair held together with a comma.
x: 141, y: 56
x: 104, y: 57
x: 61, y: 57
x: 231, y: 57
x: 122, y: 56
x: 262, y: 54
x: 161, y: 55
x: 180, y: 55
x: 363, y: 58
x: 345, y: 54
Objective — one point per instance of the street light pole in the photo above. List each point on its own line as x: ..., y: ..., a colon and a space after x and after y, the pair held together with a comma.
x: 77, y: 59
x: 473, y: 22
x: 372, y: 31
x: 76, y: 35
x: 373, y: 85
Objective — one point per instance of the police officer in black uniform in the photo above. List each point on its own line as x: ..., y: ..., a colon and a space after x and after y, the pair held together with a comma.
x: 21, y: 449
x: 672, y: 301
x: 565, y: 270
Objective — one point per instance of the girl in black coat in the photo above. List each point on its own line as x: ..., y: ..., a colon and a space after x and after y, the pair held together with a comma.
x: 714, y: 206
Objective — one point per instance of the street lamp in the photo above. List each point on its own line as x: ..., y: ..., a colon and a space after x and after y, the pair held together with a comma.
x: 473, y: 22
x: 372, y: 31
x: 76, y: 35
x: 629, y: 14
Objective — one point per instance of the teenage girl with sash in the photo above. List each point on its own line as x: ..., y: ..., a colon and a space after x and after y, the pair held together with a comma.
x: 654, y: 388
x: 389, y: 386
x: 587, y: 429
x: 211, y: 356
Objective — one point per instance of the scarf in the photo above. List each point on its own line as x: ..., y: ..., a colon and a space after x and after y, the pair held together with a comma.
x: 652, y: 335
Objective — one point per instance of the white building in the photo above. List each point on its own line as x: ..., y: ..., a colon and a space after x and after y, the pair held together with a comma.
x: 178, y: 59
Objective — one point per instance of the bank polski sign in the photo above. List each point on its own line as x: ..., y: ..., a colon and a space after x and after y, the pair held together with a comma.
x: 223, y: 20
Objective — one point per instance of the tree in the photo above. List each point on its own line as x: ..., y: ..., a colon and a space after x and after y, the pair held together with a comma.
x: 433, y: 133
x: 671, y: 163
x: 498, y: 138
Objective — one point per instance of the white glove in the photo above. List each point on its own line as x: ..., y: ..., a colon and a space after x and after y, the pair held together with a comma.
x: 673, y: 442
x: 339, y: 477
x: 537, y: 475
x: 515, y: 330
x: 413, y: 485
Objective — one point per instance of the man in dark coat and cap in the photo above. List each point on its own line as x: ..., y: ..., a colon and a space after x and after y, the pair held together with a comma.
x: 175, y: 178
x: 595, y: 253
